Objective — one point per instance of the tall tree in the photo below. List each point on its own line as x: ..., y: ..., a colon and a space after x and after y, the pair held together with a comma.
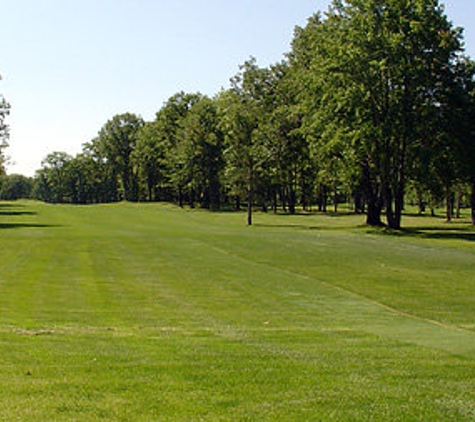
x: 116, y: 141
x: 169, y: 120
x: 377, y: 67
x: 286, y: 147
x: 202, y: 152
x: 101, y: 173
x: 242, y: 109
x: 150, y: 158
x: 55, y: 176
x: 4, y: 133
x: 461, y: 120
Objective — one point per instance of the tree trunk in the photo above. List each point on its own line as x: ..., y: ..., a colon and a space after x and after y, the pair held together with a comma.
x: 432, y: 205
x: 398, y: 208
x: 335, y: 198
x: 249, y: 208
x: 249, y: 193
x: 237, y: 203
x: 150, y: 191
x: 292, y: 200
x: 391, y: 217
x: 322, y: 198
x: 394, y: 205
x: 472, y: 201
x: 274, y: 200
x: 359, y: 203
x: 420, y: 201
x: 373, y: 200
x: 373, y: 214
x: 458, y: 205
x: 180, y: 197
x: 449, y: 204
x: 283, y: 198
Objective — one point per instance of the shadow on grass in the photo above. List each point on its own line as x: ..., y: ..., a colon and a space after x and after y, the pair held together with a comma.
x: 289, y: 226
x: 314, y: 213
x: 449, y: 233
x: 11, y: 205
x: 16, y: 213
x: 436, y: 232
x: 12, y: 209
x: 325, y: 227
x: 430, y: 232
x: 6, y: 226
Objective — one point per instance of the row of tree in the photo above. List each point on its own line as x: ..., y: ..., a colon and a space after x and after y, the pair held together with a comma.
x: 375, y: 99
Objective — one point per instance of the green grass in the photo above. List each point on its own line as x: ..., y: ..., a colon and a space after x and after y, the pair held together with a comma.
x: 148, y: 312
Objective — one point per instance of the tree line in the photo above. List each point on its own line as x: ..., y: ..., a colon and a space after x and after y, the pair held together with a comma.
x: 373, y: 105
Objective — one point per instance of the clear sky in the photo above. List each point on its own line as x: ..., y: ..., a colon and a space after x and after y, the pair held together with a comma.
x: 68, y: 66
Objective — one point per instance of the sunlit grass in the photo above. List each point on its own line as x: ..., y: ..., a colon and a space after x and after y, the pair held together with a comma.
x: 149, y: 312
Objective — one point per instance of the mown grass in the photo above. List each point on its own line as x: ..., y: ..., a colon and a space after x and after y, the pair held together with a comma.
x: 149, y: 312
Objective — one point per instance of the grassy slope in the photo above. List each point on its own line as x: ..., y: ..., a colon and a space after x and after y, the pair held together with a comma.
x: 147, y: 312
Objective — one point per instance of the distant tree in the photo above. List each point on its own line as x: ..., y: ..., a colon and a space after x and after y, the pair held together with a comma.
x: 169, y: 120
x: 149, y: 157
x: 159, y: 154
x: 101, y: 173
x: 116, y: 142
x: 15, y: 186
x: 53, y: 178
x: 42, y: 190
x: 289, y: 162
x: 243, y: 108
x: 85, y: 180
x: 201, y: 148
x: 4, y: 133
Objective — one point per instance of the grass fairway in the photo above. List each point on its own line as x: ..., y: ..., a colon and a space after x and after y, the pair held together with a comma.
x: 138, y: 312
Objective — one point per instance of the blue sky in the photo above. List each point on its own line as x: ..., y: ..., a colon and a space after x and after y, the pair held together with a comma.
x: 70, y: 65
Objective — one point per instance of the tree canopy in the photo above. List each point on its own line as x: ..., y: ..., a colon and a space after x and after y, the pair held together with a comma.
x: 4, y: 133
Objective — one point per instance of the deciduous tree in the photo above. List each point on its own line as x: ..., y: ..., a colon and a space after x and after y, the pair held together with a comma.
x: 243, y: 108
x: 4, y: 133
x: 376, y: 70
x: 116, y: 141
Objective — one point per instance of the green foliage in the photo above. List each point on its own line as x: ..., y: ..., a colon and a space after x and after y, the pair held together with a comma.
x: 201, y: 152
x: 243, y: 111
x: 170, y: 120
x: 4, y: 132
x: 149, y: 156
x: 383, y: 70
x: 15, y: 186
x: 116, y: 142
x: 56, y: 176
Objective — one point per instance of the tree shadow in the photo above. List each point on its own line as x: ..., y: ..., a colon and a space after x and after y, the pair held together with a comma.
x: 450, y: 233
x: 322, y: 228
x: 289, y: 226
x: 438, y: 232
x: 431, y: 232
x: 11, y: 205
x: 12, y: 209
x: 313, y: 213
x: 17, y: 213
x: 17, y: 210
x: 6, y: 226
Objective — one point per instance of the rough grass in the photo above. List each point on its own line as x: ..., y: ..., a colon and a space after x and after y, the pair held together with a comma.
x: 149, y: 312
